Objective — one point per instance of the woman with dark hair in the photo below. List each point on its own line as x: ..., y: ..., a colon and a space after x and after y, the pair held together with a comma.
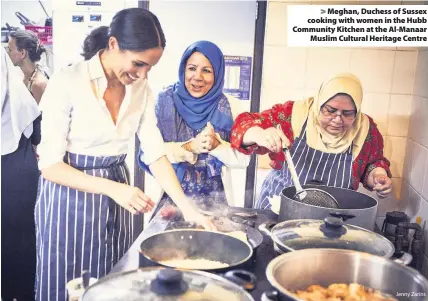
x: 195, y: 119
x: 25, y: 51
x: 87, y: 214
x: 20, y: 129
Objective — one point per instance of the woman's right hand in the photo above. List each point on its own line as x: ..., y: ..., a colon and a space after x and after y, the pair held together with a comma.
x: 192, y: 215
x: 131, y: 198
x: 273, y: 139
x: 203, y: 142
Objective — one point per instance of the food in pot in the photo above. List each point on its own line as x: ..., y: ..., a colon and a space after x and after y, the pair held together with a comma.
x: 241, y: 235
x: 341, y: 292
x: 194, y: 264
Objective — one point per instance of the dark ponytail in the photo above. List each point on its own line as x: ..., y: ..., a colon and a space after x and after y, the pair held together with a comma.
x: 28, y: 40
x: 95, y: 41
x: 135, y: 29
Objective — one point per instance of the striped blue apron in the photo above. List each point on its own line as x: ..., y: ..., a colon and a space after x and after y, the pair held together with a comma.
x: 80, y: 231
x: 311, y: 165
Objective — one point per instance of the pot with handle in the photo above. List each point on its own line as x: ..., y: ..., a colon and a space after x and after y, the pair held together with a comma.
x: 157, y: 283
x: 196, y: 249
x: 298, y: 270
x: 330, y: 233
x: 362, y: 206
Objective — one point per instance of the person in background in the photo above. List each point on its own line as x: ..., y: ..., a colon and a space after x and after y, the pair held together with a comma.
x: 195, y: 119
x: 20, y: 130
x: 25, y: 51
x: 87, y: 214
x: 331, y: 141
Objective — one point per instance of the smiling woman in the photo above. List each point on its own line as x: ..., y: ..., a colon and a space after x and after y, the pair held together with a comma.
x: 195, y: 119
x: 87, y: 215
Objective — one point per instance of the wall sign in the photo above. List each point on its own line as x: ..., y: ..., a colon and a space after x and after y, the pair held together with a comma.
x: 237, y: 77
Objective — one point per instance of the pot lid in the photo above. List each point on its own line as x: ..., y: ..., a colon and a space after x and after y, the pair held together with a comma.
x: 329, y: 233
x: 150, y: 284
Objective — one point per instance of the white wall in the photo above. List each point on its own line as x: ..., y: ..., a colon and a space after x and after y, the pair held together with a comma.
x: 414, y: 197
x: 229, y: 24
x: 31, y: 9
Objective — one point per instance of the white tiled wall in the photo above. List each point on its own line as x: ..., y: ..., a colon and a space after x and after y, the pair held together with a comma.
x: 415, y: 172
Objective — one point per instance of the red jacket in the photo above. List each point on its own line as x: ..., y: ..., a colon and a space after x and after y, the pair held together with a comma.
x: 370, y: 156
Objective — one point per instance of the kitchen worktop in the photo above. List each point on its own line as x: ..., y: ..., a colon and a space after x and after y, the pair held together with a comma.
x: 264, y: 253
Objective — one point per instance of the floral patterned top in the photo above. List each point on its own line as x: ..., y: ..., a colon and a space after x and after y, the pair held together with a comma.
x: 370, y: 156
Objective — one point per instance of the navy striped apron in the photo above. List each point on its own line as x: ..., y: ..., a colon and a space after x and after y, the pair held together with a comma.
x: 80, y: 231
x: 311, y: 165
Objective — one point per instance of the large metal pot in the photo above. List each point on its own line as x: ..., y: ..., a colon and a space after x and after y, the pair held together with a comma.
x: 185, y: 244
x: 360, y: 205
x: 150, y: 284
x: 330, y: 233
x: 298, y: 270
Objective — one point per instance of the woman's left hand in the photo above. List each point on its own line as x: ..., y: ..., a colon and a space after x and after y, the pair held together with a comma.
x: 382, y: 183
x: 212, y: 141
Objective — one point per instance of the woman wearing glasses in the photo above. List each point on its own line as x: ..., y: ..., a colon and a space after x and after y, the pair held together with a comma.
x: 331, y: 141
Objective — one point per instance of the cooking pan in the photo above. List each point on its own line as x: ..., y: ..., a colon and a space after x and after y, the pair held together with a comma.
x: 185, y: 244
x: 163, y: 284
x: 330, y: 233
x: 360, y: 205
x: 254, y: 237
x: 298, y: 270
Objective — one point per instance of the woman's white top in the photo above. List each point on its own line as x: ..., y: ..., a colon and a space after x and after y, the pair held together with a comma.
x: 75, y: 117
x: 18, y: 107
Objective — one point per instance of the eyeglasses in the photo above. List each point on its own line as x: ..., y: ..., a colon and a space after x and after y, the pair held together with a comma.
x: 331, y: 113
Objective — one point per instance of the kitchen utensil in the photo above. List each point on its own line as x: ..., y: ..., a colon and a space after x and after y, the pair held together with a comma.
x: 157, y: 284
x: 196, y: 244
x: 311, y: 196
x: 24, y: 20
x: 254, y: 237
x: 331, y: 233
x: 362, y: 206
x: 298, y: 270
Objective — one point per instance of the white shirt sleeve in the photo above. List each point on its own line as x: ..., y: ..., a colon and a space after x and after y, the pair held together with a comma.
x: 151, y: 141
x: 224, y: 152
x: 177, y: 154
x: 4, y: 77
x: 56, y: 116
x: 229, y: 156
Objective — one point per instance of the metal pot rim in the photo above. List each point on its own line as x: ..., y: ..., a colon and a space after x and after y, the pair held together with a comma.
x: 332, y: 209
x: 286, y: 247
x: 279, y: 259
x: 199, y: 230
x: 209, y: 275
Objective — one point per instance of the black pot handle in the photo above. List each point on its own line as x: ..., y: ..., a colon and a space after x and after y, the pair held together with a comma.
x: 315, y: 182
x: 169, y: 282
x: 242, y: 278
x: 333, y: 227
x: 86, y: 275
x: 344, y: 216
x: 270, y: 296
x: 266, y: 228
